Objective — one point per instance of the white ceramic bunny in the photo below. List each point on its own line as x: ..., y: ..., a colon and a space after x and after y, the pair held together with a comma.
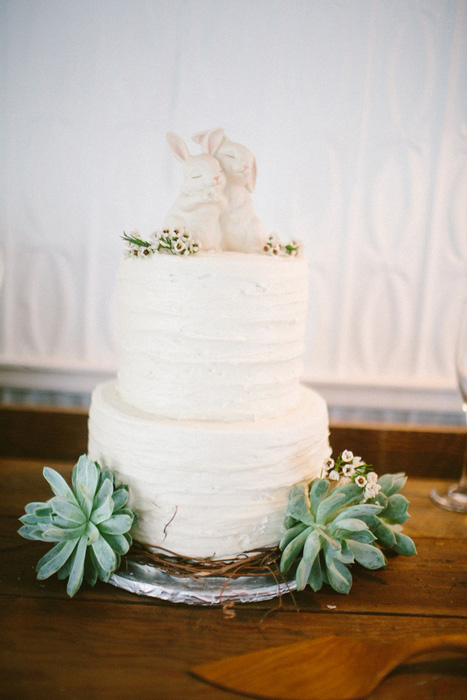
x: 200, y: 203
x: 241, y: 228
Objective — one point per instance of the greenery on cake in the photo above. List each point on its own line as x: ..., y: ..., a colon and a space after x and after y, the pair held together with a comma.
x: 176, y: 242
x: 89, y: 522
x: 327, y: 529
x: 274, y: 247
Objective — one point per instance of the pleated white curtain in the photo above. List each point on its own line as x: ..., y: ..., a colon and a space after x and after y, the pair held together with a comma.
x: 356, y: 113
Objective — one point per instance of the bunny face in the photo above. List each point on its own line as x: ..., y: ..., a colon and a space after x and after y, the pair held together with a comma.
x: 203, y: 174
x: 238, y: 163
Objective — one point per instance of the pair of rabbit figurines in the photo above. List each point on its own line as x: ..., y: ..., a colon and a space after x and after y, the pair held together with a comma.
x: 214, y: 204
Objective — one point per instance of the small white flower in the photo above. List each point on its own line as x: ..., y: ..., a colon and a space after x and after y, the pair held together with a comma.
x: 334, y: 475
x: 179, y: 247
x: 358, y: 462
x: 347, y: 456
x: 361, y: 481
x: 348, y: 470
x: 372, y: 490
x: 372, y: 477
x: 329, y: 464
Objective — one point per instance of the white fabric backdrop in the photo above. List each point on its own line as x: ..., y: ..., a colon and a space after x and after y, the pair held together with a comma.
x: 356, y: 112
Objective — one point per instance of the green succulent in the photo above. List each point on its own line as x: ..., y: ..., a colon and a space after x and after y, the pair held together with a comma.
x: 326, y: 532
x: 89, y: 522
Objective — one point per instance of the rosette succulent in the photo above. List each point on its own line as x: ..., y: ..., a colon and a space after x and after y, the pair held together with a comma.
x: 326, y: 531
x: 89, y: 522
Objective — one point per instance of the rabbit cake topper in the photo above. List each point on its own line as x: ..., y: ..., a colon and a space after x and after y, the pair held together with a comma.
x: 200, y: 204
x: 241, y: 228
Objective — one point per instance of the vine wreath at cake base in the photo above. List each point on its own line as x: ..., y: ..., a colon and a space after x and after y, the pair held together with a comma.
x: 206, y: 446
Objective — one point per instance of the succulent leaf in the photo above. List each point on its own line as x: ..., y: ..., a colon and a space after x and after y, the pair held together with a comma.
x: 384, y: 533
x: 392, y: 483
x: 105, y: 555
x: 30, y: 532
x: 92, y: 532
x: 315, y: 578
x: 103, y: 505
x: 346, y: 556
x: 318, y: 490
x: 367, y: 555
x: 120, y: 497
x: 396, y: 509
x: 290, y: 534
x: 365, y: 536
x: 303, y: 573
x: 57, y: 534
x: 293, y: 549
x: 64, y: 572
x: 119, y: 543
x: 404, y: 545
x: 58, y: 484
x: 116, y: 525
x: 35, y: 505
x: 32, y: 519
x: 75, y: 578
x: 350, y: 524
x: 311, y: 547
x: 338, y: 574
x: 298, y: 507
x: 85, y: 478
x: 69, y: 512
x: 55, y: 558
x: 91, y: 574
x: 358, y: 510
x: 339, y: 498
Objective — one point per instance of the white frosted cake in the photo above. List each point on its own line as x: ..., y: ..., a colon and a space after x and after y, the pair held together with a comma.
x: 207, y: 421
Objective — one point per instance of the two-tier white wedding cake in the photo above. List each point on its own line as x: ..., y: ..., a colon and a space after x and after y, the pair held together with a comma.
x: 207, y: 421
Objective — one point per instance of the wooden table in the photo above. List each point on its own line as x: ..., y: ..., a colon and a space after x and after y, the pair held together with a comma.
x: 106, y: 643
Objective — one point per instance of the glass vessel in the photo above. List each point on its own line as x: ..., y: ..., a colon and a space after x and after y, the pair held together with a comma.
x: 456, y: 496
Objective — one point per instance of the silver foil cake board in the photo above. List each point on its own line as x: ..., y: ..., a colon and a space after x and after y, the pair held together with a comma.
x: 143, y: 579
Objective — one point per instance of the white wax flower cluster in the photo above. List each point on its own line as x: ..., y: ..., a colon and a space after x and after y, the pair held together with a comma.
x: 274, y: 247
x: 349, y: 468
x: 175, y: 242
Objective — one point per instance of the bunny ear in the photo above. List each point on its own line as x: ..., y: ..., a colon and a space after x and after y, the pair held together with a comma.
x: 199, y: 136
x: 252, y: 179
x: 178, y: 146
x: 213, y: 141
x: 209, y: 140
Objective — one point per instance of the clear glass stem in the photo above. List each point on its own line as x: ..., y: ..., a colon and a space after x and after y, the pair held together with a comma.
x: 456, y: 497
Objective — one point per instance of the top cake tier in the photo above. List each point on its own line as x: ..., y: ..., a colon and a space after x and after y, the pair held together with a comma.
x: 212, y: 336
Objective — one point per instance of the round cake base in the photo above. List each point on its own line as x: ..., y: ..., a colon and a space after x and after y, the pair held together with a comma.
x: 143, y: 579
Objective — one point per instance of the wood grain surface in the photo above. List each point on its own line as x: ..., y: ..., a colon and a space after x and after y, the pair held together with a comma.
x: 107, y: 643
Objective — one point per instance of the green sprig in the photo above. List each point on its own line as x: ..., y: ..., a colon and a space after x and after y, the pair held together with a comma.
x: 89, y: 522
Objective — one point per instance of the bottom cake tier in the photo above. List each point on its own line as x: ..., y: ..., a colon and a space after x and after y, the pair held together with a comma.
x: 208, y: 489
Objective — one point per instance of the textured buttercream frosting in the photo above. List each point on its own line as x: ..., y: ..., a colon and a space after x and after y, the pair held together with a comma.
x: 205, y: 488
x: 213, y: 336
